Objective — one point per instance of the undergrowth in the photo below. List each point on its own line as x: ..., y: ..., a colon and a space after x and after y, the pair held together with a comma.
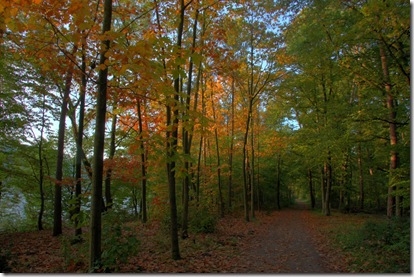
x: 376, y: 246
x: 119, y: 242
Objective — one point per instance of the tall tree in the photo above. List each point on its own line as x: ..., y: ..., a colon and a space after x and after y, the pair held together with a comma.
x: 112, y: 149
x: 96, y: 202
x: 259, y: 68
x: 172, y: 135
x: 143, y: 164
x: 57, y: 214
x: 41, y: 166
x: 188, y: 131
x: 79, y: 145
x: 220, y: 193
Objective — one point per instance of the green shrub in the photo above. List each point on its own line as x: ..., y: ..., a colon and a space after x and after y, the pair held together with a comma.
x: 381, y: 246
x: 203, y: 222
x: 5, y: 257
x: 392, y: 235
x: 118, y: 241
x: 118, y: 244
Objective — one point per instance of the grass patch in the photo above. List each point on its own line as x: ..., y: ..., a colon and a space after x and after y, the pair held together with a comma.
x: 376, y: 245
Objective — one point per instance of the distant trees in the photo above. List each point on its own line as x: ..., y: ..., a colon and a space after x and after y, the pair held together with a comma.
x: 344, y: 90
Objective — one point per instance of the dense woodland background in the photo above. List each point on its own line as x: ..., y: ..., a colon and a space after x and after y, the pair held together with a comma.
x: 184, y: 111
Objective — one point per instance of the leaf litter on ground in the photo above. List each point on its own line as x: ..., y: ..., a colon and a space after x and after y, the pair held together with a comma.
x: 236, y: 247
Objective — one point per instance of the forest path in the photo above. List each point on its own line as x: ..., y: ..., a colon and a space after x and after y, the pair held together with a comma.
x: 291, y: 240
x: 286, y: 245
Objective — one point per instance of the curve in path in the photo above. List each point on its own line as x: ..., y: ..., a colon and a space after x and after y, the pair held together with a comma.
x: 286, y: 245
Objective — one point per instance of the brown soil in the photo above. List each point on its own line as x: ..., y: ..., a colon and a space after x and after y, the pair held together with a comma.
x: 288, y: 243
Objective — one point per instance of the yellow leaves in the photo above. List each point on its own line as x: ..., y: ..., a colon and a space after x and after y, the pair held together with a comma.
x: 123, y: 69
x: 149, y: 35
x: 45, y: 67
x: 8, y: 12
x: 101, y: 67
x: 13, y: 12
x: 75, y: 7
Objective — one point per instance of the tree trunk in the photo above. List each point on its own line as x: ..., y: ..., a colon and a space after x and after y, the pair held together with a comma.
x: 187, y: 136
x: 245, y: 162
x: 311, y: 193
x: 96, y: 202
x: 41, y: 170
x: 143, y: 166
x: 172, y: 143
x: 323, y: 189
x: 361, y: 178
x: 230, y: 192
x: 202, y: 145
x: 258, y: 192
x: 252, y: 180
x: 278, y: 182
x: 112, y: 149
x: 171, y: 155
x: 343, y: 190
x: 135, y: 201
x: 328, y: 174
x: 41, y: 191
x: 199, y: 169
x: 392, y: 114
x: 57, y: 214
x: 221, y: 202
x: 79, y: 145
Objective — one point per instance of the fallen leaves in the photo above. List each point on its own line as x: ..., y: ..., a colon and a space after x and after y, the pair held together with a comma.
x: 281, y: 242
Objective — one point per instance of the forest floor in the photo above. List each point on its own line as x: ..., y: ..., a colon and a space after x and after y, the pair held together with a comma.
x: 291, y: 240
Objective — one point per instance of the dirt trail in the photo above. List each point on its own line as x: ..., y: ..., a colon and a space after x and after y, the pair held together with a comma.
x: 286, y: 245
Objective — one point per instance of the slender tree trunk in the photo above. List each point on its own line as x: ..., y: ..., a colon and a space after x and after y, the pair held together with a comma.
x: 250, y: 100
x: 323, y: 188
x: 187, y: 136
x: 311, y: 193
x: 221, y: 202
x: 42, y: 194
x: 200, y: 151
x: 171, y: 153
x: 361, y: 178
x: 344, y: 184
x: 172, y: 139
x: 230, y: 189
x: 112, y: 149
x: 86, y: 164
x: 57, y: 215
x: 41, y: 169
x: 245, y: 161
x: 79, y: 145
x: 392, y: 114
x: 252, y: 179
x: 202, y: 144
x: 172, y: 143
x: 328, y: 174
x: 143, y: 166
x: 258, y: 192
x: 279, y: 157
x: 96, y: 202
